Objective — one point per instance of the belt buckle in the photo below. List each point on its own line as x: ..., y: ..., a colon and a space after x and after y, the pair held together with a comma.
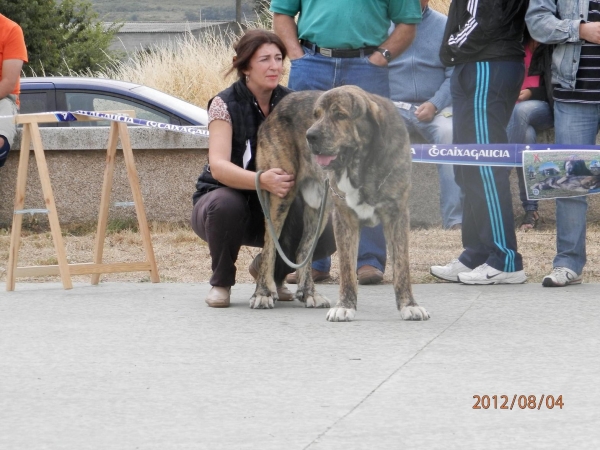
x: 325, y: 51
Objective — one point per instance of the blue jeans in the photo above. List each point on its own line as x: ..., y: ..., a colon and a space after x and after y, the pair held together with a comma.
x: 439, y: 131
x: 574, y: 123
x: 528, y: 118
x: 314, y: 71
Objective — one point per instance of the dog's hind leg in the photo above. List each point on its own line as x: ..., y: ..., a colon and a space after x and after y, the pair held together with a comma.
x: 312, y: 194
x: 265, y: 294
x: 347, y: 228
x: 397, y: 236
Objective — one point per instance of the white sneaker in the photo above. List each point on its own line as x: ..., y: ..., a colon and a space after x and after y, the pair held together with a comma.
x: 485, y: 274
x: 560, y: 277
x: 450, y: 271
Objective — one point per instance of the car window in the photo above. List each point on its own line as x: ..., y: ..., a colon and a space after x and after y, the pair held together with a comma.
x: 100, y: 102
x: 35, y: 102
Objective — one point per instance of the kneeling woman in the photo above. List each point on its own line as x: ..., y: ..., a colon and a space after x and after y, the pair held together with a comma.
x: 227, y: 213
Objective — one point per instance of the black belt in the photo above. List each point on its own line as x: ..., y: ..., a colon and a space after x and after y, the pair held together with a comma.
x: 338, y: 52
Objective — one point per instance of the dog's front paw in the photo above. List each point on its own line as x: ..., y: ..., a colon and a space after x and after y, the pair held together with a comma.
x: 312, y: 299
x: 414, y: 313
x: 259, y: 301
x: 317, y: 301
x: 338, y: 314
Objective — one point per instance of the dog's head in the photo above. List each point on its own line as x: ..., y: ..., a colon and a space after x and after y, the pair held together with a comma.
x: 346, y: 119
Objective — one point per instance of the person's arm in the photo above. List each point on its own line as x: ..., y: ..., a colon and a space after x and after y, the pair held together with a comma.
x: 545, y: 27
x: 276, y: 180
x: 441, y: 99
x: 285, y: 27
x: 11, y: 71
x: 398, y: 41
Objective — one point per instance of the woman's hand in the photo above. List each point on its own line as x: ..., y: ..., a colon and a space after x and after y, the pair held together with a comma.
x: 524, y: 95
x: 277, y: 182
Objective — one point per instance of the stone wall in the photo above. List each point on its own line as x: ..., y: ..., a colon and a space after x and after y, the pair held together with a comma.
x: 168, y: 164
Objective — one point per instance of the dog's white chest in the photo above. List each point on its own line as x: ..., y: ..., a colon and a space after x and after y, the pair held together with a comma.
x: 363, y: 210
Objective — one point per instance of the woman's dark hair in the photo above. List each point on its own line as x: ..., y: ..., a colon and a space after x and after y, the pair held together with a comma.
x: 247, y: 45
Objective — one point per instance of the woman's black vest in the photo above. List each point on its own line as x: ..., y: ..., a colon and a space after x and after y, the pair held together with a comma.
x: 246, y: 117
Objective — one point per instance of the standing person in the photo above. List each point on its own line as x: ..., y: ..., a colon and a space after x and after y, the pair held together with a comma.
x: 532, y: 113
x: 344, y: 42
x: 227, y: 213
x: 482, y: 40
x: 575, y: 73
x: 12, y: 56
x: 424, y: 102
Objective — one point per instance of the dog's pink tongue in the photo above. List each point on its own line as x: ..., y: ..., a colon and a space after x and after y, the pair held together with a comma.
x: 324, y: 160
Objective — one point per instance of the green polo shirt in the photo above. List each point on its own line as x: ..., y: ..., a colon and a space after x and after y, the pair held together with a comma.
x: 348, y: 23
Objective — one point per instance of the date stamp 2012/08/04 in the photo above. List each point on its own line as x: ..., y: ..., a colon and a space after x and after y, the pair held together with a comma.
x: 520, y: 401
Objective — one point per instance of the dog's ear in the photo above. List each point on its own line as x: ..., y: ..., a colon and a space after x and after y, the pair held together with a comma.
x: 375, y: 110
x: 376, y: 114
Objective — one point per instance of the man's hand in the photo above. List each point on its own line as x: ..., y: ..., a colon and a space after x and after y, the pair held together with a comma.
x: 378, y: 59
x: 425, y: 112
x: 524, y: 95
x: 590, y: 32
x: 277, y: 182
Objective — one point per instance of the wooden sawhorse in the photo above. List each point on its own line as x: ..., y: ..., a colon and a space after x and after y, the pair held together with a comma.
x: 31, y: 134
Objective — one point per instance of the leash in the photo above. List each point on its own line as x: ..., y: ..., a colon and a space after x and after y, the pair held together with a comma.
x: 265, y: 205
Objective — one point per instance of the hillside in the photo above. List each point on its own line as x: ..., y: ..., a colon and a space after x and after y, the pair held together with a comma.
x: 170, y: 10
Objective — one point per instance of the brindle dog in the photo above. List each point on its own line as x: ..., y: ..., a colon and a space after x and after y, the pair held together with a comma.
x: 360, y: 142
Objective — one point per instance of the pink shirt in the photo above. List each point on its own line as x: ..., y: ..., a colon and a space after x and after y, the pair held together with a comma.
x: 530, y: 81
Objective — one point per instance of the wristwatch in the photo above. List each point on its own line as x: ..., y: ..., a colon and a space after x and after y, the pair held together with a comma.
x: 386, y: 53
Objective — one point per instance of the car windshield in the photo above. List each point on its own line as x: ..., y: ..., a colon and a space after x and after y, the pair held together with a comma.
x: 86, y: 101
x: 198, y: 114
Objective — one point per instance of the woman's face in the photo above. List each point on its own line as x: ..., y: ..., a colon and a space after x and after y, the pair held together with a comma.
x: 266, y: 66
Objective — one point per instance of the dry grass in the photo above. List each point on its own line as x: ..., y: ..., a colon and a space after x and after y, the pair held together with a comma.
x: 183, y: 257
x: 191, y: 69
x: 194, y: 71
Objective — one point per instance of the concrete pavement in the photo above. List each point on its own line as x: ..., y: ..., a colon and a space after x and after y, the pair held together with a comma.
x: 150, y: 366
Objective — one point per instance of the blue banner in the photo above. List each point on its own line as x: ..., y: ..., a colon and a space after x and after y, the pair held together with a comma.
x: 509, y: 155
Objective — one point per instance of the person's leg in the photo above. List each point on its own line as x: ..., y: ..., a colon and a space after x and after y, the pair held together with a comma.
x: 529, y: 206
x: 8, y: 129
x: 312, y: 72
x: 439, y: 131
x: 528, y: 118
x: 491, y: 89
x: 220, y: 218
x: 374, y: 79
x: 575, y: 123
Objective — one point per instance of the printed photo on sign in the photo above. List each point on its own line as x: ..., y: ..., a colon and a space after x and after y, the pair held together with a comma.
x: 561, y: 173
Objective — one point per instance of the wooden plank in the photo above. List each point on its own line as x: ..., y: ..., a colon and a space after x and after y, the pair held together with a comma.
x: 105, y: 198
x: 134, y: 182
x: 59, y: 245
x: 82, y: 269
x: 15, y: 235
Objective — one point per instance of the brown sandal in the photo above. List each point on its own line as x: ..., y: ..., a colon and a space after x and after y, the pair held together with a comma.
x: 530, y: 220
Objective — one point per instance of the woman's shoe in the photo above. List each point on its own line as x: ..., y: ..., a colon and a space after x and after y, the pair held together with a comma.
x: 317, y: 276
x: 530, y: 221
x: 218, y: 297
x: 284, y: 294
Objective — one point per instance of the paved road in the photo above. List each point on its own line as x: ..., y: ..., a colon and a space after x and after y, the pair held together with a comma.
x: 143, y: 366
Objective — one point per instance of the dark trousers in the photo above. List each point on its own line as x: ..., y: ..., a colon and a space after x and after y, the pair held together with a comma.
x: 483, y: 97
x: 229, y: 218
